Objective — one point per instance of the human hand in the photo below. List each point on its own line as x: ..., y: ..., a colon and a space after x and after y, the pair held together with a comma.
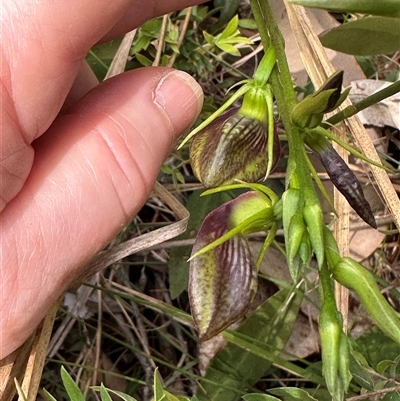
x: 69, y: 184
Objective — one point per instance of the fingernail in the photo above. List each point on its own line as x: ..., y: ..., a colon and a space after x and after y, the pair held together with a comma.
x: 181, y: 97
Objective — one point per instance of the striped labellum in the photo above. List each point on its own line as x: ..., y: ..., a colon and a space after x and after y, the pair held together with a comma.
x: 223, y: 277
x: 233, y: 146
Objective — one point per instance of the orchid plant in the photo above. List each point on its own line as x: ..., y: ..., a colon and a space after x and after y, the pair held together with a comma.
x: 238, y: 146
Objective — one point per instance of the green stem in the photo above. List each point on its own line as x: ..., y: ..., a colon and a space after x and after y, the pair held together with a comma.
x: 363, y: 104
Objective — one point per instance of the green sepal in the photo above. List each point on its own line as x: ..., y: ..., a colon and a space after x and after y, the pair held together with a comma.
x: 305, y: 251
x: 344, y: 361
x: 269, y: 195
x: 295, y: 235
x: 324, y: 132
x: 239, y: 93
x: 314, y: 220
x: 291, y: 202
x: 331, y: 249
x: 265, y: 67
x: 293, y: 225
x: 267, y: 243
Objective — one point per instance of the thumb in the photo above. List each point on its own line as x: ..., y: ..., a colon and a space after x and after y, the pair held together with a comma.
x: 93, y: 170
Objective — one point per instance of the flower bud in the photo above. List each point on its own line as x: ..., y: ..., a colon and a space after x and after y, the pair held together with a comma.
x: 310, y: 111
x: 233, y: 146
x: 352, y: 275
x: 330, y: 331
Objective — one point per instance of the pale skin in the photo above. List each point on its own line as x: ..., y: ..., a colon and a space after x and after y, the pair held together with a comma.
x: 69, y: 181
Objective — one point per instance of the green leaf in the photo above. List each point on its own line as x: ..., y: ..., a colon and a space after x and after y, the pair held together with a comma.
x: 158, y: 387
x: 159, y: 393
x: 120, y: 394
x: 360, y: 370
x: 247, y: 23
x: 236, y: 40
x: 383, y: 366
x: 48, y: 395
x: 367, y: 36
x: 376, y: 347
x: 105, y: 396
x: 234, y: 368
x: 231, y: 28
x: 388, y: 8
x: 209, y: 38
x: 292, y: 394
x: 227, y: 48
x: 259, y: 397
x: 146, y: 62
x: 71, y: 387
x: 142, y: 43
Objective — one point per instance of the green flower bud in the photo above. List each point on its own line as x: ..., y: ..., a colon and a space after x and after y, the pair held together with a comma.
x: 330, y: 332
x: 310, y: 111
x: 352, y: 275
x: 233, y: 146
x: 334, y: 345
x: 294, y: 226
x: 294, y: 237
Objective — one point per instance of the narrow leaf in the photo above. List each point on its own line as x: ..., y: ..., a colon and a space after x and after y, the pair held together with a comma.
x: 105, y: 396
x: 389, y: 8
x: 292, y: 394
x: 365, y: 37
x: 71, y: 387
x: 231, y: 28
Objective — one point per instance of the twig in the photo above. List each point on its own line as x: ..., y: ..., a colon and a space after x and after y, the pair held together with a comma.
x: 161, y: 40
x: 375, y: 98
x: 185, y: 25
